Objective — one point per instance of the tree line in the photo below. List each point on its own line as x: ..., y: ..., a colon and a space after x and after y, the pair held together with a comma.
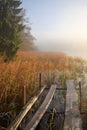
x: 14, y: 33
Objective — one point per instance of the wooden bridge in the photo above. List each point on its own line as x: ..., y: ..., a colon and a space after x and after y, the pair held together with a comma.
x: 71, y: 111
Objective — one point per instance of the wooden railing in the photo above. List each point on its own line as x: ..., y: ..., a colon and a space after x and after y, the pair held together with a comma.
x: 26, y: 108
x: 41, y: 111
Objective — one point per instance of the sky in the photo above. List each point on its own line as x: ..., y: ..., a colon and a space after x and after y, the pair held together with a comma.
x: 59, y: 25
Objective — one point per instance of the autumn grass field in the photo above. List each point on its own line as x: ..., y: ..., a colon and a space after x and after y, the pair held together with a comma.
x: 24, y: 71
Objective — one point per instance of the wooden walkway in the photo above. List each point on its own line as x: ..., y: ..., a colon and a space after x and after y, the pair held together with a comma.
x: 25, y: 110
x: 39, y: 114
x: 72, y: 113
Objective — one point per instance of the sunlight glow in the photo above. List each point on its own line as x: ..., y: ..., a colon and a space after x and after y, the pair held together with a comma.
x: 58, y: 25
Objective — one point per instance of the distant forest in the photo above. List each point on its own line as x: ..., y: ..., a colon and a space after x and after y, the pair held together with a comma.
x: 26, y: 36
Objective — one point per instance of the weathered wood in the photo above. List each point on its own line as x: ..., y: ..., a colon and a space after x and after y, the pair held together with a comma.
x: 22, y: 114
x: 24, y: 93
x: 72, y: 114
x: 80, y: 95
x: 39, y: 114
x: 40, y: 78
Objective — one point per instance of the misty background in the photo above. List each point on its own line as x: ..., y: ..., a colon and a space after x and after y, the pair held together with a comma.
x: 59, y: 25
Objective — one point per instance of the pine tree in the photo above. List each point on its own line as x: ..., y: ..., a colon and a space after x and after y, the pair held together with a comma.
x: 10, y: 28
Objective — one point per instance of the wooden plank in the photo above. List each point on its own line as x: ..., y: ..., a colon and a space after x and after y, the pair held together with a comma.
x: 72, y: 114
x: 39, y: 114
x: 26, y: 108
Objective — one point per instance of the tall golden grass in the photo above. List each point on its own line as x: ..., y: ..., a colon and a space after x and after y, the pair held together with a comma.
x: 24, y: 71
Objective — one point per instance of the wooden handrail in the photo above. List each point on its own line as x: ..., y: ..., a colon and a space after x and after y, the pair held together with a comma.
x: 14, y: 125
x: 41, y: 111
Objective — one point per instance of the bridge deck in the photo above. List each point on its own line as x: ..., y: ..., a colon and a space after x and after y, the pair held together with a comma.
x: 72, y: 113
x: 39, y: 114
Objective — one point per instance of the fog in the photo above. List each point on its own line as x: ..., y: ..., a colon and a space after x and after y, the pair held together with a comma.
x: 59, y: 25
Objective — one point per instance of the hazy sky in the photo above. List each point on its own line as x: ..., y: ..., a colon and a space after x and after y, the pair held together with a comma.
x: 59, y: 25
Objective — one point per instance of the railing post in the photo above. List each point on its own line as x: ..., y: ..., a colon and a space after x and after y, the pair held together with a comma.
x: 34, y: 79
x: 24, y: 95
x: 40, y: 78
x: 80, y: 94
